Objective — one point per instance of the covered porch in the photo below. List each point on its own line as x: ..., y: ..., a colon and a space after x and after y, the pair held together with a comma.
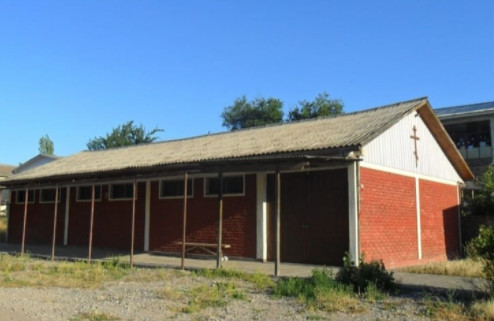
x: 157, y: 260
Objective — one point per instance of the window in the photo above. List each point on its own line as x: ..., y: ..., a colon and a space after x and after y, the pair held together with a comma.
x: 48, y: 195
x: 174, y: 188
x: 232, y: 185
x: 121, y: 191
x: 85, y: 193
x: 20, y: 196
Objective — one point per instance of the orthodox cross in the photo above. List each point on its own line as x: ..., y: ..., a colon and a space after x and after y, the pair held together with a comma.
x: 415, y: 139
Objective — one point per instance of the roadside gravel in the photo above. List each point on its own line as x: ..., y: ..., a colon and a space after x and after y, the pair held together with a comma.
x: 165, y: 299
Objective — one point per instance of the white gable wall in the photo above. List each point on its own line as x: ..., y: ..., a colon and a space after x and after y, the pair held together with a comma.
x: 394, y: 149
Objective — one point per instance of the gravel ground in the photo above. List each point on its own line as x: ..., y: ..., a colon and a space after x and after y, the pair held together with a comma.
x: 158, y: 300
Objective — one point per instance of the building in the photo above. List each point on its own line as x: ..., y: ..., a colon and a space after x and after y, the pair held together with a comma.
x: 472, y: 129
x: 5, y: 171
x: 36, y: 161
x: 384, y: 182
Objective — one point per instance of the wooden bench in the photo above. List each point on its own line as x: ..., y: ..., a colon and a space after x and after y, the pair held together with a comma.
x: 209, y: 248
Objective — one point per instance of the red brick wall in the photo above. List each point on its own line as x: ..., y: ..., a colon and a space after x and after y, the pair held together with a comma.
x: 239, y: 219
x: 39, y: 223
x: 388, y: 225
x: 439, y: 221
x: 112, y: 221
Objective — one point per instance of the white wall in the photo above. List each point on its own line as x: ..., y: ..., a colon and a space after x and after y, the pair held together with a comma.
x: 395, y: 149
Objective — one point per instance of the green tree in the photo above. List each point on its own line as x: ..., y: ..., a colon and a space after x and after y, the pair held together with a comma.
x: 322, y: 105
x: 260, y: 111
x: 124, y: 135
x: 483, y: 201
x: 46, y: 146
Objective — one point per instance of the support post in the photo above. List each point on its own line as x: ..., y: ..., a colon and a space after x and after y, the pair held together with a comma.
x: 353, y: 208
x: 91, y: 224
x: 24, y: 223
x: 132, y: 237
x: 66, y: 220
x: 55, y: 214
x: 261, y: 217
x: 184, y: 225
x: 147, y: 216
x: 278, y: 225
x: 219, y: 254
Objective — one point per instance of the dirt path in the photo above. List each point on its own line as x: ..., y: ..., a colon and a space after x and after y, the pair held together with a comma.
x: 7, y: 315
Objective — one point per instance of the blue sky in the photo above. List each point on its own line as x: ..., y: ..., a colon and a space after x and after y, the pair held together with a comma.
x: 76, y: 69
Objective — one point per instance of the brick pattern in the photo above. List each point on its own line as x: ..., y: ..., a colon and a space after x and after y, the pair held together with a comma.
x: 388, y: 224
x: 439, y: 221
x: 39, y: 223
x: 112, y: 220
x: 239, y: 220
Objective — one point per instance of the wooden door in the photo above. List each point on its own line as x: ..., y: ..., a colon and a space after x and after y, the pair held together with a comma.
x: 314, y: 217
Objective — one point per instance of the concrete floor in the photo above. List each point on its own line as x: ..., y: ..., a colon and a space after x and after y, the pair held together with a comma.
x: 160, y: 260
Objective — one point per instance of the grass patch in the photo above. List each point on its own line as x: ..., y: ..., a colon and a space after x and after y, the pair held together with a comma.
x: 24, y: 271
x: 465, y: 268
x: 260, y: 281
x: 215, y: 295
x: 94, y: 316
x: 484, y: 309
x: 320, y: 291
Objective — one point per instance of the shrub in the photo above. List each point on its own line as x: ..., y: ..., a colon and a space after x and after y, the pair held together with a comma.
x: 367, y: 273
x: 483, y: 245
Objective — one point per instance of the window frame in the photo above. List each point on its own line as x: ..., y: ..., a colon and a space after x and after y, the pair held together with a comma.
x: 176, y: 179
x: 110, y: 192
x: 206, y: 186
x: 96, y: 199
x: 42, y: 201
x: 23, y: 201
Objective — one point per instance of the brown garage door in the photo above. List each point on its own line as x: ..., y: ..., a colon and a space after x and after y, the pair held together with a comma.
x: 314, y: 217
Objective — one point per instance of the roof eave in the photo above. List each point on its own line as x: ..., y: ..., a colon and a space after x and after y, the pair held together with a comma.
x: 447, y: 145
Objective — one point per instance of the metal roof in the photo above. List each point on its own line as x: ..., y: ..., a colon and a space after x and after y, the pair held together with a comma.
x: 465, y: 109
x: 346, y: 131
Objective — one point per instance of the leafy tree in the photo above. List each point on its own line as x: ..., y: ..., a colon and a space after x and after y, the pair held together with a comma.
x: 483, y: 201
x: 260, y: 111
x: 124, y: 135
x: 46, y: 146
x: 321, y: 106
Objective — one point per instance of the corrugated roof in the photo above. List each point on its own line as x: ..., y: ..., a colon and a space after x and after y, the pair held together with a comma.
x: 329, y: 133
x: 465, y: 109
x: 6, y: 170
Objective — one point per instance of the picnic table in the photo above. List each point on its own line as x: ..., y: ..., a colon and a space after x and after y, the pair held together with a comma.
x: 209, y: 248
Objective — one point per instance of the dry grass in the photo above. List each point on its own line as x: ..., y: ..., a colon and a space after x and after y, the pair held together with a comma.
x: 484, y: 309
x: 465, y: 268
x: 23, y: 271
x: 3, y: 228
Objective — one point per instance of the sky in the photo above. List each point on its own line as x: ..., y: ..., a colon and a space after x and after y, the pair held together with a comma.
x: 75, y: 69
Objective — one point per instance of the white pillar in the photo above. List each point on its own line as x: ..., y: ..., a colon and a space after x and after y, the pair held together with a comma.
x: 147, y: 216
x: 66, y: 220
x: 353, y: 191
x: 419, y: 228
x: 261, y: 217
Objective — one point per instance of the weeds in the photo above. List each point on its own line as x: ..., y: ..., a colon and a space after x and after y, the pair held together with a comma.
x: 261, y: 281
x: 95, y: 316
x: 24, y: 271
x: 320, y: 291
x: 464, y: 268
x: 215, y: 295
